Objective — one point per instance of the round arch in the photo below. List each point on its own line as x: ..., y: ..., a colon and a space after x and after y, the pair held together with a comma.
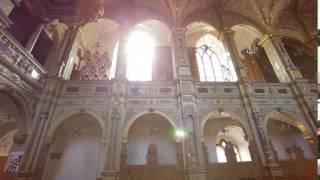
x: 130, y: 122
x: 25, y: 121
x: 250, y: 27
x: 159, y: 30
x: 197, y: 29
x: 290, y: 118
x: 224, y: 114
x: 196, y: 16
x: 93, y: 32
x: 291, y: 33
x: 56, y: 124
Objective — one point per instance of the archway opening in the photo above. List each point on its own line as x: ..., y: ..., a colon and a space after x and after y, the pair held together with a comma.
x: 13, y: 134
x: 218, y: 132
x: 149, y: 52
x: 94, y: 52
x: 287, y: 140
x: 259, y: 66
x: 75, y: 150
x: 210, y: 59
x: 151, y: 129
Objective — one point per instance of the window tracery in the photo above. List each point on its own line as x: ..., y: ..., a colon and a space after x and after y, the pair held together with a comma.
x: 214, y: 62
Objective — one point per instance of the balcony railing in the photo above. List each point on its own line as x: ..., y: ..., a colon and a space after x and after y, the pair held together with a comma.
x: 15, y: 58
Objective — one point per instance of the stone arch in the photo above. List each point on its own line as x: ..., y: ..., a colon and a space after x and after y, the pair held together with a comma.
x: 262, y: 60
x: 220, y: 125
x: 200, y: 28
x: 130, y: 122
x: 75, y: 149
x: 291, y: 32
x: 250, y: 34
x: 157, y: 28
x: 24, y: 111
x: 155, y: 15
x: 95, y: 31
x: 201, y: 15
x: 295, y: 133
x: 291, y: 118
x: 225, y: 114
x: 55, y: 125
x: 151, y: 130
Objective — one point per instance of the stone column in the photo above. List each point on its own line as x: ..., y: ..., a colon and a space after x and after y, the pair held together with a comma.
x: 296, y: 81
x: 121, y: 64
x: 281, y: 65
x: 293, y: 71
x: 228, y: 38
x: 181, y: 63
x: 274, y: 58
x: 33, y: 158
x: 65, y: 61
x: 123, y: 161
x: 114, y: 132
x: 34, y: 37
x: 191, y: 145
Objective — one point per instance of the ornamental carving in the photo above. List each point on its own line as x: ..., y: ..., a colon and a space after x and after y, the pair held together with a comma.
x: 96, y: 66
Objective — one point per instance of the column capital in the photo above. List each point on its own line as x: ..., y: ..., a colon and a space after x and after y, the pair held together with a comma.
x: 178, y: 30
x: 264, y: 39
x: 226, y: 32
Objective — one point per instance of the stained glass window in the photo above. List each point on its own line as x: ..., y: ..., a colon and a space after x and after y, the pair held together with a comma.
x: 214, y: 61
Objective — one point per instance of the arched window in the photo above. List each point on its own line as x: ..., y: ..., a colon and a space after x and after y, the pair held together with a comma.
x: 214, y: 62
x: 140, y: 51
x: 222, y: 154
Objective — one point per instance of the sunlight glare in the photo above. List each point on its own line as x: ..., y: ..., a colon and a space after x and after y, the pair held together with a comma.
x: 140, y: 51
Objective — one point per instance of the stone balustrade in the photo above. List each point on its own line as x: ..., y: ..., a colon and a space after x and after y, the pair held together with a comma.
x: 151, y: 89
x: 14, y: 58
x: 216, y: 89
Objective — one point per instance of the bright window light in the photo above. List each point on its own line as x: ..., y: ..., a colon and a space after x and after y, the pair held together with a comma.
x: 140, y: 55
x: 35, y: 74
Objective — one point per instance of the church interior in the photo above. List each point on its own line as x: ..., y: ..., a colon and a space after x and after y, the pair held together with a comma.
x: 158, y: 89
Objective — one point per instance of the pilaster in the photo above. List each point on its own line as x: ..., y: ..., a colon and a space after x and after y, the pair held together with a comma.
x: 293, y: 71
x: 191, y: 146
x: 115, y: 120
x: 181, y: 63
x: 35, y: 153
x: 228, y: 38
x: 289, y: 74
x: 275, y: 58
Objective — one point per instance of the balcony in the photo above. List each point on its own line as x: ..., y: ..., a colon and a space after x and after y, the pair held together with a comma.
x: 17, y: 65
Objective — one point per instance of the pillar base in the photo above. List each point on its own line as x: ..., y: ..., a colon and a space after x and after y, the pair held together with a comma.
x: 196, y: 174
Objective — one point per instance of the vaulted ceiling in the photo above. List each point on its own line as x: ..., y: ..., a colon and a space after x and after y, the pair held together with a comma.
x: 267, y: 15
